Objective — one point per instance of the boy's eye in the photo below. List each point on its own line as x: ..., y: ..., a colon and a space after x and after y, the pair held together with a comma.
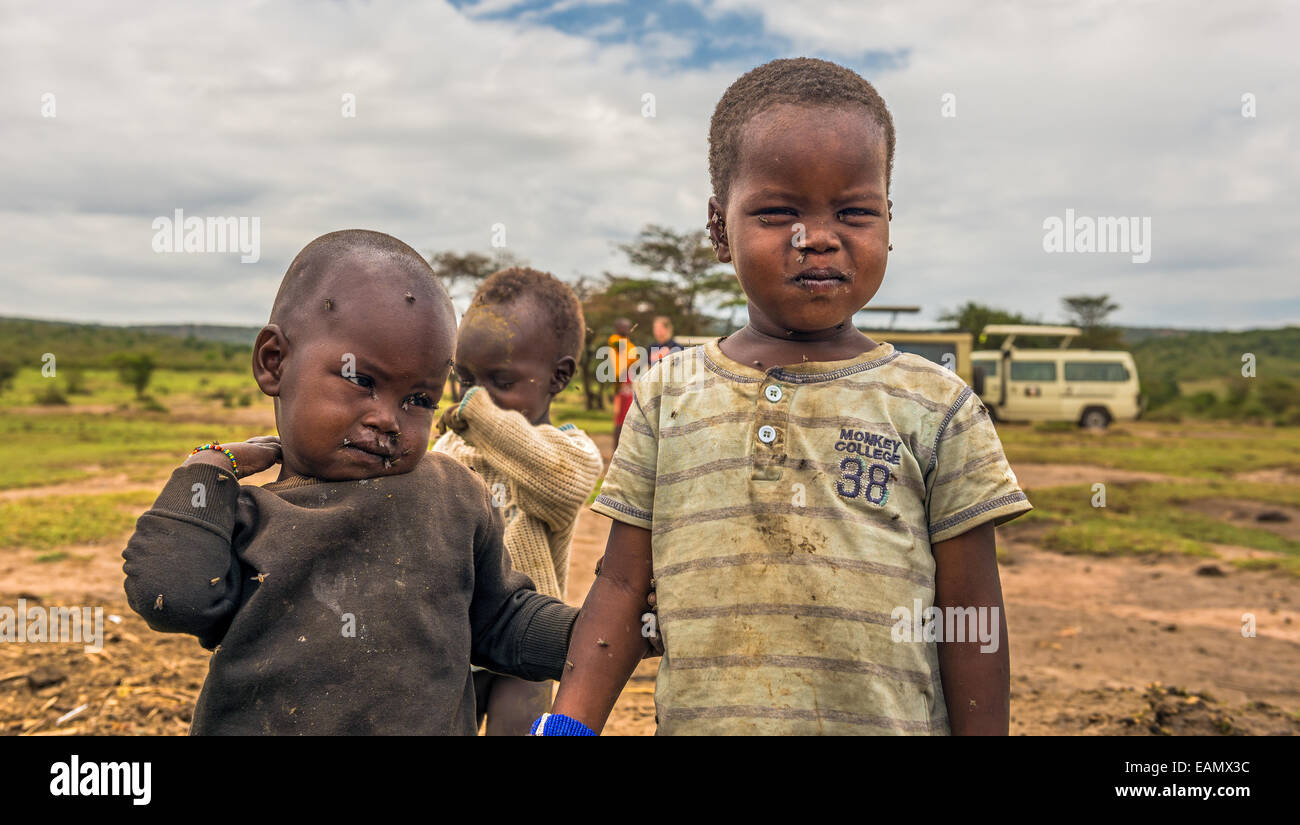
x: 859, y: 213
x: 421, y: 399
x: 361, y: 380
x: 504, y: 385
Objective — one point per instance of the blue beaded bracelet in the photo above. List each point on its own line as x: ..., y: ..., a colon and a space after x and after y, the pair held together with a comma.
x: 557, y: 724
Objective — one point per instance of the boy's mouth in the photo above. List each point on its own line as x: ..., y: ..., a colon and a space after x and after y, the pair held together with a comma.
x: 372, y: 450
x: 820, y: 279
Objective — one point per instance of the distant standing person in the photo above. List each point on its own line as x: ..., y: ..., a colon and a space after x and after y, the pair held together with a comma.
x: 624, y: 354
x: 664, y: 344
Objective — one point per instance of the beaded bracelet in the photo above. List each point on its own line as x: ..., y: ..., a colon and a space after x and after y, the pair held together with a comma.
x: 557, y: 724
x: 214, y: 445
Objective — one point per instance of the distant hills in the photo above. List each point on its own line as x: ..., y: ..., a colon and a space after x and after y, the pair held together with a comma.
x: 1164, y: 352
x: 204, y: 332
x: 177, y: 346
x: 1207, y: 355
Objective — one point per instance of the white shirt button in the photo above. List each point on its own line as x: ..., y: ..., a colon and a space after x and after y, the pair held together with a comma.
x: 766, y: 434
x: 773, y: 393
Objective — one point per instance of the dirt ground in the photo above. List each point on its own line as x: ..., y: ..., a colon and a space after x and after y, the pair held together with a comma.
x: 1098, y: 645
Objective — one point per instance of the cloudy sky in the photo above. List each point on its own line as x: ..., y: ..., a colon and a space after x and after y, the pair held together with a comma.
x: 529, y: 114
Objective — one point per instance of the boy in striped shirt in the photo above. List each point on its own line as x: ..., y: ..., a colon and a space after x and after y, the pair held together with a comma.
x: 788, y: 489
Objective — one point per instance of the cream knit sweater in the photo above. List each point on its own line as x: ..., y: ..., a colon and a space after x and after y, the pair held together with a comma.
x: 538, y: 476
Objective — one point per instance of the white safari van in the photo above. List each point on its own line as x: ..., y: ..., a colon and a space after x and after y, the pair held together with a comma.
x: 1090, y: 387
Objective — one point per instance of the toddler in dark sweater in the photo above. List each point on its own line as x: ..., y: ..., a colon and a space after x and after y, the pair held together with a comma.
x: 351, y: 595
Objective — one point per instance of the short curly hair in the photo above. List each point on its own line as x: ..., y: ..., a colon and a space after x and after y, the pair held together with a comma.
x: 799, y: 80
x: 554, y: 296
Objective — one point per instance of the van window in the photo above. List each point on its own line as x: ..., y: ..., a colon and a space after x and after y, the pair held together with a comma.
x: 990, y: 367
x: 1033, y: 370
x: 931, y: 351
x: 1095, y: 371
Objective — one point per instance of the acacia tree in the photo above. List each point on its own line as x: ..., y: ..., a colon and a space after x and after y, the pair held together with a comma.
x: 455, y: 269
x: 135, y: 370
x: 1089, y: 312
x: 692, y: 268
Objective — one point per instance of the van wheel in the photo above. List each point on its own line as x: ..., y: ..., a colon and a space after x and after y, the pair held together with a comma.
x: 1095, y: 418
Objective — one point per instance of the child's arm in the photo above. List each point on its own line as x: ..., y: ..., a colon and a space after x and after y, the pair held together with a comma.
x: 976, y: 684
x: 971, y: 488
x: 515, y: 630
x: 553, y: 472
x: 607, y: 643
x: 181, y: 573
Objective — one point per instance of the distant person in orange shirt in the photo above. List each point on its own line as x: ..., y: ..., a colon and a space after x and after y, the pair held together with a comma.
x: 624, y: 354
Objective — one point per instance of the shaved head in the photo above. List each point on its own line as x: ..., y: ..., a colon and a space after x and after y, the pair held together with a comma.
x: 324, y: 277
x: 356, y: 356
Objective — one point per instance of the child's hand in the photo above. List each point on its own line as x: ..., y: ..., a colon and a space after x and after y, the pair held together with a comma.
x: 449, y: 420
x: 253, y: 456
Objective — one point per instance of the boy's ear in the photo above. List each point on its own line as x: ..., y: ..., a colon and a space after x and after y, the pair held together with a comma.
x: 717, y: 227
x: 269, y: 352
x: 562, y: 374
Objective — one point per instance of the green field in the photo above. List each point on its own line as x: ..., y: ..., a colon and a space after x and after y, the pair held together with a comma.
x: 103, y: 387
x: 1154, y: 517
x: 102, y: 429
x: 1207, y: 449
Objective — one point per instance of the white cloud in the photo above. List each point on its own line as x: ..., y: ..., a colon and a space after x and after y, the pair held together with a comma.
x: 1108, y: 108
x: 463, y: 122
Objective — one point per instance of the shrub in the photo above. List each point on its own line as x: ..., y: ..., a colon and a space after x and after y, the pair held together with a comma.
x: 51, y: 395
x: 1238, y: 391
x: 75, y: 381
x: 1277, y: 394
x: 1160, y: 391
x: 135, y: 370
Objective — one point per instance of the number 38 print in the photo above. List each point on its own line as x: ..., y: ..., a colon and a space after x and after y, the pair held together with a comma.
x: 875, y: 487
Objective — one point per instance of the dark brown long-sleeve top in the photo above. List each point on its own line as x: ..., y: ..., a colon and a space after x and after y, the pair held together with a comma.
x: 351, y: 607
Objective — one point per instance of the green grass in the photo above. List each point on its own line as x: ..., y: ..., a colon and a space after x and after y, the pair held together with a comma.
x: 1200, y: 450
x: 49, y: 522
x: 1288, y: 565
x: 599, y: 483
x: 1149, y: 518
x: 51, y: 447
x: 103, y: 387
x: 1101, y: 538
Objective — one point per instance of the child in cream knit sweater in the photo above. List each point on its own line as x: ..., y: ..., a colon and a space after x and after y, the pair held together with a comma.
x: 517, y: 348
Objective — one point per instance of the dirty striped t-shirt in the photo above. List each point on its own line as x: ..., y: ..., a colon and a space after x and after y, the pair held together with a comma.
x: 791, y: 511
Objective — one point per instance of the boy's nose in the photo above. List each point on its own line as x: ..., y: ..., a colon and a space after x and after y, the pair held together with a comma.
x: 382, y: 416
x: 820, y: 235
